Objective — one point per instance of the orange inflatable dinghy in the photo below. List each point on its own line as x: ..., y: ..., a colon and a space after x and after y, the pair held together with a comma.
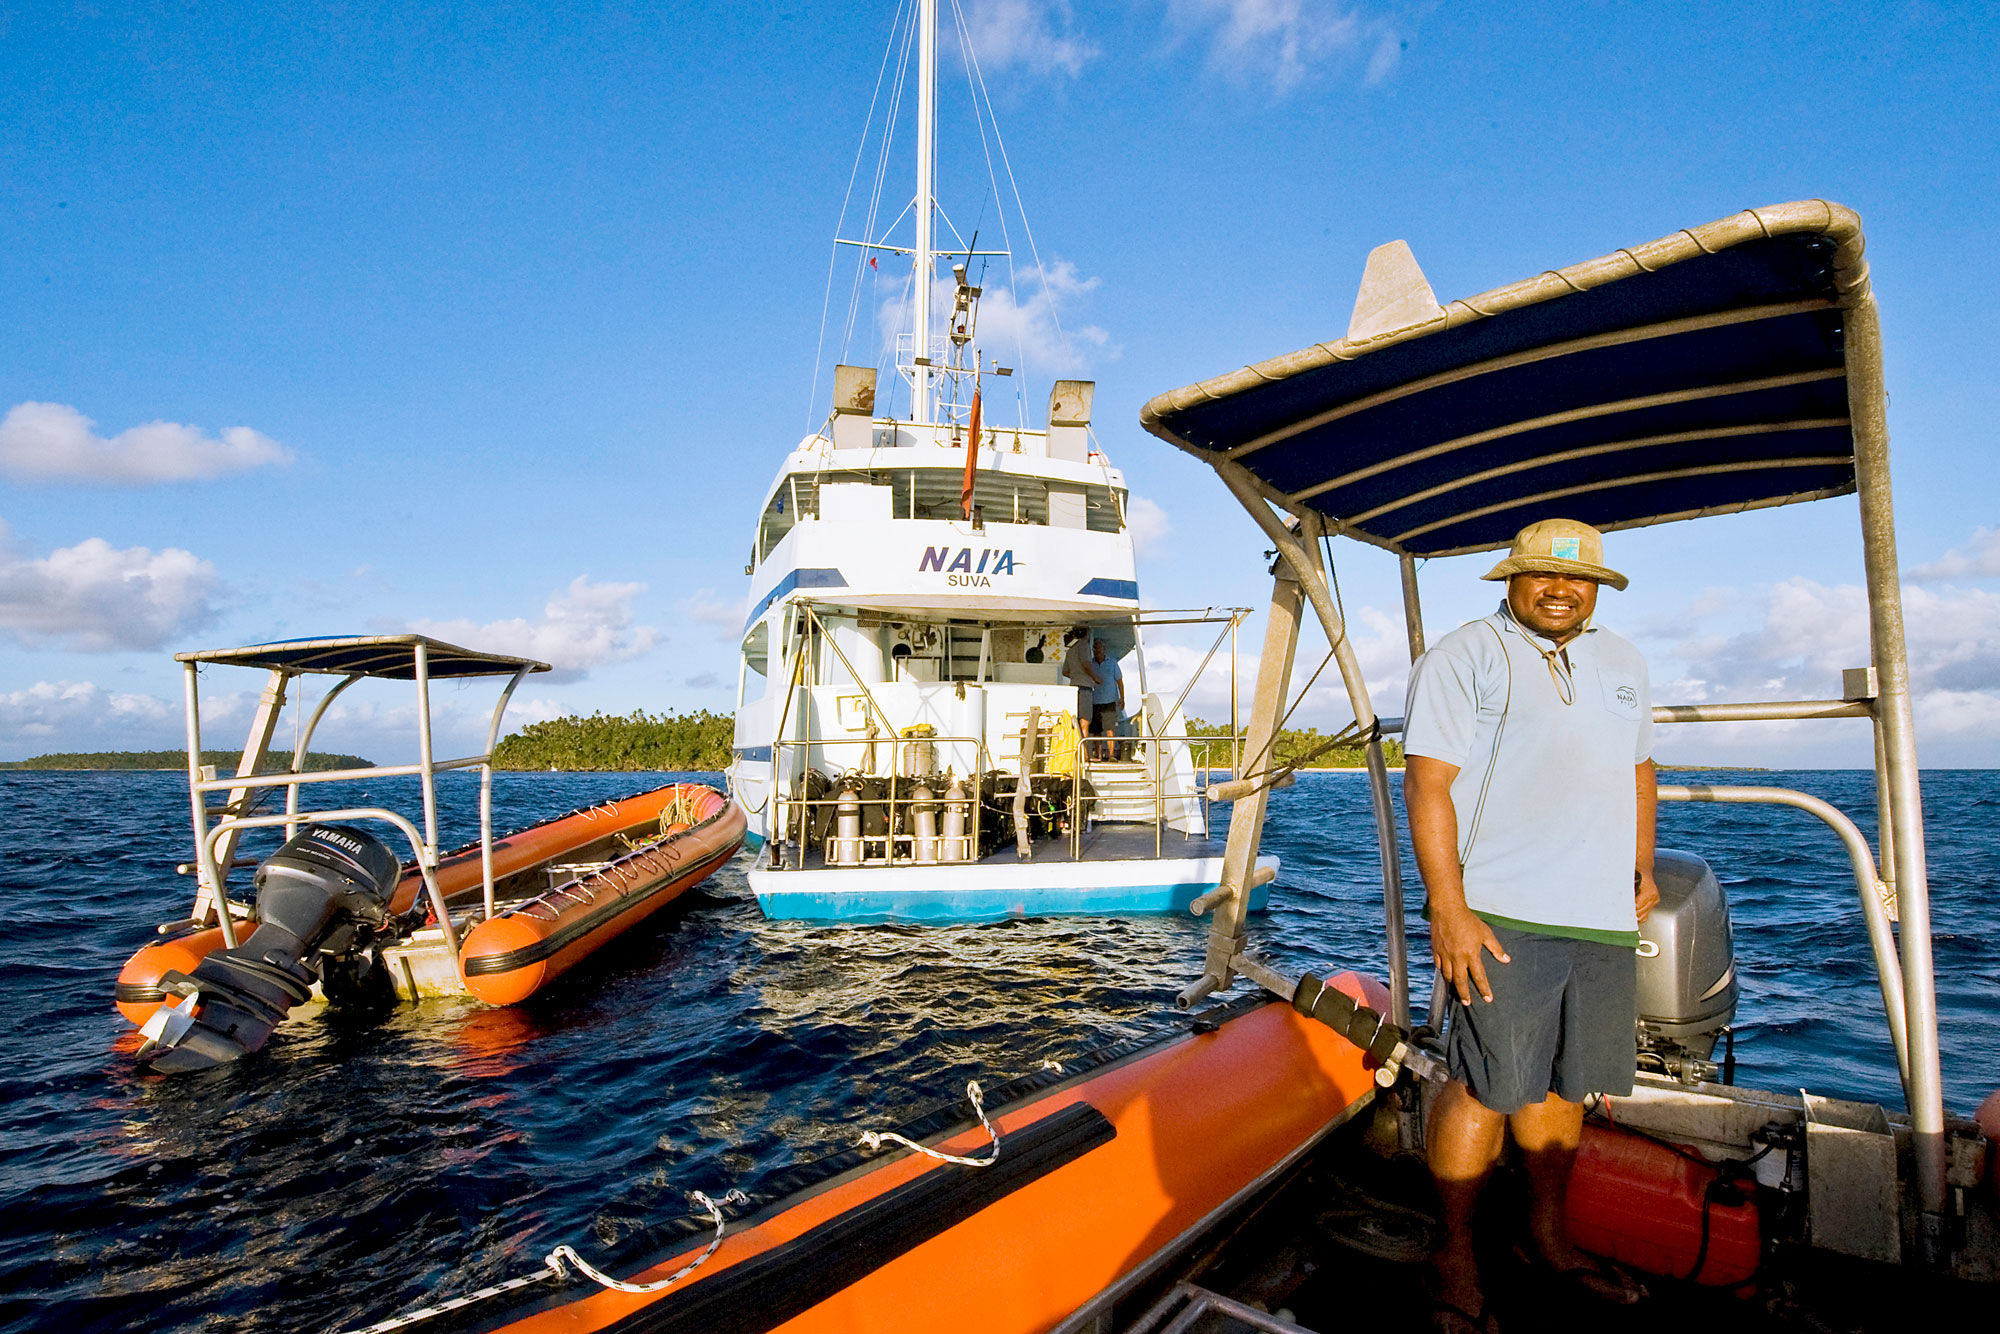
x: 1097, y: 1173
x: 520, y: 860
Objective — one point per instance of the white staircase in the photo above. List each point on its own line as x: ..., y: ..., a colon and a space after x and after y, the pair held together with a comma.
x: 1124, y: 791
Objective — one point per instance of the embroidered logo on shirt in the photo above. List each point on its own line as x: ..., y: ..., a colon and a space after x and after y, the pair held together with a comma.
x: 1628, y: 697
x: 1566, y: 548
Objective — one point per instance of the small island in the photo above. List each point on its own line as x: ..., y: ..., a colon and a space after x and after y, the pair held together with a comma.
x: 225, y: 761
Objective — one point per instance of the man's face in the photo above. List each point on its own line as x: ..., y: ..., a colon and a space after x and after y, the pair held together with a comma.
x: 1097, y: 650
x: 1552, y: 605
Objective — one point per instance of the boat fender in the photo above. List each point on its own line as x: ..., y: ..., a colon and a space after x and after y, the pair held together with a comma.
x: 1360, y: 1024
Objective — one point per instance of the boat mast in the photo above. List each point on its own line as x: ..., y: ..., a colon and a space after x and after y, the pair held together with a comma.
x: 920, y: 356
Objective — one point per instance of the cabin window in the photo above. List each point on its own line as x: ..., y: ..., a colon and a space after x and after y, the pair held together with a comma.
x: 757, y: 648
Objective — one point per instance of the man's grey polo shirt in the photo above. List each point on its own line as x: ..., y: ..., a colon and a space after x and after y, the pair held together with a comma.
x: 1547, y: 817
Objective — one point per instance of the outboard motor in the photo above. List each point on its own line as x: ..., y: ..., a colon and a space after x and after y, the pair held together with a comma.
x: 325, y: 893
x: 1687, y: 970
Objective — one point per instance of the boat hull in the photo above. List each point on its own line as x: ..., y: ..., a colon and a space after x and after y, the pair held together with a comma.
x: 511, y: 956
x: 138, y: 992
x: 1096, y: 1179
x: 988, y: 893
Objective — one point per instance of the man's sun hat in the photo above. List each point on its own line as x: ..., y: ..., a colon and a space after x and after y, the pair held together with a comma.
x: 1558, y: 546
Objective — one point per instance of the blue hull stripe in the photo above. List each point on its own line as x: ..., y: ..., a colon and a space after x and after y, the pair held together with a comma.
x: 1127, y: 589
x: 813, y: 578
x: 937, y: 907
x: 755, y: 754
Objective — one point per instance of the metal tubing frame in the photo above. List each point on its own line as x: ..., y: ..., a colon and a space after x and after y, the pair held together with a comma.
x: 425, y: 870
x: 486, y: 791
x: 1246, y: 820
x: 304, y: 744
x: 1867, y: 405
x: 1300, y: 550
x: 208, y: 892
x: 263, y: 726
x: 1867, y: 883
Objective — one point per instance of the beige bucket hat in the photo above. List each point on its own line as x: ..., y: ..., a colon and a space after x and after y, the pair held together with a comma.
x: 1558, y: 546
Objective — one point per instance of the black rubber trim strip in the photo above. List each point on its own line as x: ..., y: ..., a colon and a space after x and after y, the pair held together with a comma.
x: 137, y: 993
x: 765, y: 1292
x: 486, y: 965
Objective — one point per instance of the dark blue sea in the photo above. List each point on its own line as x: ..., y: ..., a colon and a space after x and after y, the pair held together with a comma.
x: 349, y: 1172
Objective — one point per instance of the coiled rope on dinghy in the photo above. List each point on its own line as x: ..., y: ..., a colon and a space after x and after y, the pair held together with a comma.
x: 872, y: 1140
x: 556, y: 1265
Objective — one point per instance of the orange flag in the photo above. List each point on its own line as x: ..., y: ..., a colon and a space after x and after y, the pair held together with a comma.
x: 971, y: 454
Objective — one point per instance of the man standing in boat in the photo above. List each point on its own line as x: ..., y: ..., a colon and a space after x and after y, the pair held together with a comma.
x: 1107, y: 701
x: 1082, y: 673
x: 1530, y: 792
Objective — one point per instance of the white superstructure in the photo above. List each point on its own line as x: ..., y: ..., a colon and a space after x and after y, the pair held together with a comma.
x: 914, y: 585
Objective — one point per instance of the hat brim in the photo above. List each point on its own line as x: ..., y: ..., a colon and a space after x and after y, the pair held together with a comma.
x: 1582, y: 569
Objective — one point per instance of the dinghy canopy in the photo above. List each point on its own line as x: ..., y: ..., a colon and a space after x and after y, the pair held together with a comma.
x: 1702, y: 373
x: 390, y: 657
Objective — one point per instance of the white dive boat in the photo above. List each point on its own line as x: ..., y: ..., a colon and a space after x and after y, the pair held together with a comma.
x: 906, y: 741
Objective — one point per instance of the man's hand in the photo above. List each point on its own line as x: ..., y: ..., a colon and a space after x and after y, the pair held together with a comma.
x: 1645, y: 894
x: 1457, y: 936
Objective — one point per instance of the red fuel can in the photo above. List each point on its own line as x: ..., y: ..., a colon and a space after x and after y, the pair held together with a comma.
x: 1645, y: 1205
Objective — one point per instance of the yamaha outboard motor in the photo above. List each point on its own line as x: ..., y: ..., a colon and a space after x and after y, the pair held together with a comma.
x: 1687, y: 970
x: 325, y: 893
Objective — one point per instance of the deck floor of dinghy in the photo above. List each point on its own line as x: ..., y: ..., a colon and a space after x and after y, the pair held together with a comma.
x: 1345, y: 1246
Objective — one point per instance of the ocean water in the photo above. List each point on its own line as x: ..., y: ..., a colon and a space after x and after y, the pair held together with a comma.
x: 351, y: 1171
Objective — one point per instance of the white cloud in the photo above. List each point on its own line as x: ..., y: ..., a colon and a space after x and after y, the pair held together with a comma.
x: 42, y: 442
x: 1977, y: 558
x: 51, y: 716
x: 1034, y: 35
x: 1803, y: 635
x: 1147, y: 522
x: 97, y: 598
x: 1284, y: 42
x: 724, y: 614
x: 586, y: 625
x: 1025, y: 333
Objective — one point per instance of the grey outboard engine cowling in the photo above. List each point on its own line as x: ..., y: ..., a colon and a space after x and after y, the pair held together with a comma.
x: 1687, y: 970
x: 326, y: 892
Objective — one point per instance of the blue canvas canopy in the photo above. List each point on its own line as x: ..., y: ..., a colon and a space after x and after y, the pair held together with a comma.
x: 1703, y: 373
x: 389, y: 657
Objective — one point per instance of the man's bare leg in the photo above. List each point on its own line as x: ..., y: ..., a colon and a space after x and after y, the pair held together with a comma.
x: 1465, y: 1138
x: 1549, y: 1133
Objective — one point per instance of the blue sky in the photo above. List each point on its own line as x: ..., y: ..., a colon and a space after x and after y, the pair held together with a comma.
x: 496, y: 319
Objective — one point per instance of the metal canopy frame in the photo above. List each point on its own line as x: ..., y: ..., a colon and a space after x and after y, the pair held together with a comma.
x: 406, y: 657
x: 1273, y: 432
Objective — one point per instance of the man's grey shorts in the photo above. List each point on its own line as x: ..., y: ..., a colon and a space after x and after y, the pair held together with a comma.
x: 1561, y: 1020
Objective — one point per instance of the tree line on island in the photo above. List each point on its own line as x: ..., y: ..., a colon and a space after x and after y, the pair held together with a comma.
x: 703, y: 741
x: 225, y: 761
x: 687, y: 742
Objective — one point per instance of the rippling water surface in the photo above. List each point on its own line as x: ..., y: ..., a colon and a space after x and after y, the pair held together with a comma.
x: 348, y: 1172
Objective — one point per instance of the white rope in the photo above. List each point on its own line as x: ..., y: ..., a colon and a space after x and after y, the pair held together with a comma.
x: 555, y: 1268
x: 567, y: 1254
x: 873, y: 1140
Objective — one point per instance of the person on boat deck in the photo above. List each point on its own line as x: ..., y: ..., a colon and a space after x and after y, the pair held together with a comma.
x: 1529, y: 786
x: 1080, y: 672
x: 1107, y: 701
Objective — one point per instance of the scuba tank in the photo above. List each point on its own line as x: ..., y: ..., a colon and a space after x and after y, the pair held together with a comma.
x: 844, y: 849
x: 957, y: 847
x: 923, y: 816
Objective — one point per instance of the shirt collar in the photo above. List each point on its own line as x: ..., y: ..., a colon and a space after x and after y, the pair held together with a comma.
x: 1505, y: 615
